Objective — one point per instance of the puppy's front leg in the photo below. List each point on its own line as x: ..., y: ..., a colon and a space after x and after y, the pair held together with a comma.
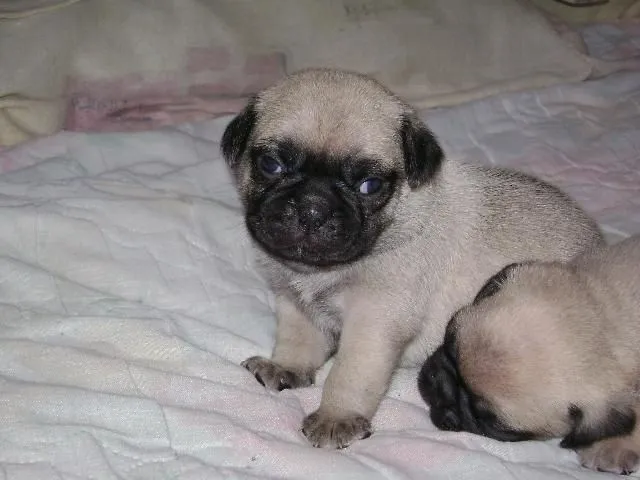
x: 368, y: 354
x: 300, y: 350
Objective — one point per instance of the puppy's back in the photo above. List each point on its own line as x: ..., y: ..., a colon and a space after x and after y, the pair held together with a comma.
x: 511, y: 196
x: 614, y: 274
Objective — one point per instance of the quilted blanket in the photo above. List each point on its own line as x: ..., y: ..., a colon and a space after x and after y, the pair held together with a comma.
x: 128, y: 298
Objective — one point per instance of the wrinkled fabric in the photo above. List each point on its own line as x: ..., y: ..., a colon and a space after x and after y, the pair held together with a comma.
x: 128, y: 298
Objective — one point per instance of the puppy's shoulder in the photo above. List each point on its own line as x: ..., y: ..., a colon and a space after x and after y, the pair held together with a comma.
x: 624, y: 255
x: 500, y: 191
x: 614, y: 273
x: 519, y: 184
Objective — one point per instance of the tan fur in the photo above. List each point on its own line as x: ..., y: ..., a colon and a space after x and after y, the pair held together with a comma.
x: 444, y: 239
x: 616, y: 455
x: 558, y: 334
x: 327, y: 110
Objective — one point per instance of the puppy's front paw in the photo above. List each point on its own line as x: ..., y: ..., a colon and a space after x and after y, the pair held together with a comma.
x: 612, y: 455
x: 275, y: 377
x: 324, y: 430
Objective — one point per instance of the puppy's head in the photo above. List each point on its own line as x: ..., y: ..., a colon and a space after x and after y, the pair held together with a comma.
x: 321, y: 161
x: 452, y: 404
x: 524, y: 362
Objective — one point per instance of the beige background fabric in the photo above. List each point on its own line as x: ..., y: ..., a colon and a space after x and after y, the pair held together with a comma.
x: 23, y: 8
x: 94, y: 56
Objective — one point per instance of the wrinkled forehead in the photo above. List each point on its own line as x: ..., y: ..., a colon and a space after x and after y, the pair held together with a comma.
x: 483, y: 343
x: 340, y: 118
x: 508, y: 344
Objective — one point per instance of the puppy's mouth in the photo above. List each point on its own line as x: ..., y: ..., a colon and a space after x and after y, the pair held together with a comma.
x: 311, y: 228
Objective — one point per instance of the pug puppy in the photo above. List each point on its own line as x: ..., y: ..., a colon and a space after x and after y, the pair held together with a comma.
x: 369, y: 239
x: 548, y: 349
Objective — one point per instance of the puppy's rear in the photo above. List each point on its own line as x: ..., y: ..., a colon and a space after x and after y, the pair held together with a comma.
x: 548, y: 350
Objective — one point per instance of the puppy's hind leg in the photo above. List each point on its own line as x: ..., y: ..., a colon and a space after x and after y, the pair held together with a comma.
x: 619, y: 455
x: 615, y: 455
x: 300, y: 349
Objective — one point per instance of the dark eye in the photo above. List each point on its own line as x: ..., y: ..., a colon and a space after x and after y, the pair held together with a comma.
x: 370, y: 186
x: 269, y: 166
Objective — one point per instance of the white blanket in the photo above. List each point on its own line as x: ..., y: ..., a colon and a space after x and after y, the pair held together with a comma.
x: 128, y: 299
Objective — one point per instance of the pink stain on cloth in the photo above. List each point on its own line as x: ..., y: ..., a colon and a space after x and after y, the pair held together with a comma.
x: 212, y: 85
x: 145, y: 113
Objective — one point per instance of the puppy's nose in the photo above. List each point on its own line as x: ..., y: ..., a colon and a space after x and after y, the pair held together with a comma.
x: 314, y: 212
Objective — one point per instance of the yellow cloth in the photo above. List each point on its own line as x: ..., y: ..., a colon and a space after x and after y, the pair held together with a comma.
x: 25, y: 118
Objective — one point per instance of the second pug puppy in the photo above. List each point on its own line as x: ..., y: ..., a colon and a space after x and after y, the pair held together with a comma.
x: 369, y: 239
x: 548, y: 350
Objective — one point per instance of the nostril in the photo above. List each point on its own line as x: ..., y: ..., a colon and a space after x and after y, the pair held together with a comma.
x: 314, y: 216
x: 284, y: 217
x: 289, y: 210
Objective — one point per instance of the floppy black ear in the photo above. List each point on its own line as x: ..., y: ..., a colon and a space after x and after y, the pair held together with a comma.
x: 618, y: 421
x: 423, y: 156
x: 495, y: 283
x: 236, y: 135
x: 438, y: 385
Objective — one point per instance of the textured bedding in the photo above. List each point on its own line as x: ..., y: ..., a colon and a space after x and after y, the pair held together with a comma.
x: 128, y: 299
x: 128, y: 296
x: 94, y: 64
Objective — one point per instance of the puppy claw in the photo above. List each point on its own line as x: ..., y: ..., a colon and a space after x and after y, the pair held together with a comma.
x: 274, y: 377
x: 612, y: 455
x: 325, y: 431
